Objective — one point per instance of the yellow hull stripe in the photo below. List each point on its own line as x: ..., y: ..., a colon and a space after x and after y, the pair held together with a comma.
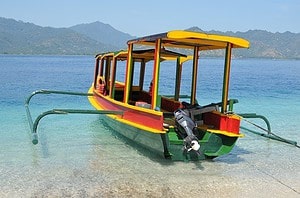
x: 119, y: 119
x: 225, y: 133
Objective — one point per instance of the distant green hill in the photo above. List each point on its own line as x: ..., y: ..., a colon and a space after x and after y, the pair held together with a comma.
x: 103, y: 33
x: 265, y: 44
x: 17, y: 37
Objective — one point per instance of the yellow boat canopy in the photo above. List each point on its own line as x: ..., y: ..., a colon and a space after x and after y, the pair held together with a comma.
x: 187, y: 39
x: 145, y: 55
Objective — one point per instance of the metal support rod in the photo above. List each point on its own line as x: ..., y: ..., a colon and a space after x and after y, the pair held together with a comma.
x: 65, y: 111
x: 29, y: 118
x: 42, y: 91
x: 272, y: 136
x: 254, y: 115
x: 269, y: 134
x: 33, y: 125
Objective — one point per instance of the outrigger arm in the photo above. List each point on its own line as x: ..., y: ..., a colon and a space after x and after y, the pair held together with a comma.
x: 269, y: 134
x: 33, y: 125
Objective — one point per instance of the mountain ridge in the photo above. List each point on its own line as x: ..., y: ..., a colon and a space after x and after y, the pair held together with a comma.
x: 18, y: 37
x: 264, y: 44
x: 103, y: 33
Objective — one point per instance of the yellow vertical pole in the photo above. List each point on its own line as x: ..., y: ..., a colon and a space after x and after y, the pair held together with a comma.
x: 194, y: 75
x: 101, y: 67
x: 156, y: 74
x: 107, y: 72
x: 226, y: 78
x: 96, y: 72
x: 113, y: 78
x: 128, y: 73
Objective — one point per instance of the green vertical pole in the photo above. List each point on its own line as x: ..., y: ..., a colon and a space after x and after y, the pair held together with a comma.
x: 194, y: 75
x: 226, y: 78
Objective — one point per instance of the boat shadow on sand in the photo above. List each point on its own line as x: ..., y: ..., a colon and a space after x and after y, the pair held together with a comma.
x: 234, y: 157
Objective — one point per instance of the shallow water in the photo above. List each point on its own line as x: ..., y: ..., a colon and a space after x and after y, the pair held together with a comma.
x: 79, y: 156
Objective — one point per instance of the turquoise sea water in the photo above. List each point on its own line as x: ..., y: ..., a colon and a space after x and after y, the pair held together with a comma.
x: 79, y: 156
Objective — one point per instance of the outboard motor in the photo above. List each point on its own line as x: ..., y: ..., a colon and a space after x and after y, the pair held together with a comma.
x: 185, y: 129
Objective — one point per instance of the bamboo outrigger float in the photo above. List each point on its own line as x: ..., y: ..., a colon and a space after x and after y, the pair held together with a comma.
x: 178, y: 128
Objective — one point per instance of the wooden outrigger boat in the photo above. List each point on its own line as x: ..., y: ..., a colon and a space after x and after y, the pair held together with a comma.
x: 161, y: 122
x: 135, y: 105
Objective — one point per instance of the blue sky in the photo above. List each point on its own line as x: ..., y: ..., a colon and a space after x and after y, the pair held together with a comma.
x: 140, y: 18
